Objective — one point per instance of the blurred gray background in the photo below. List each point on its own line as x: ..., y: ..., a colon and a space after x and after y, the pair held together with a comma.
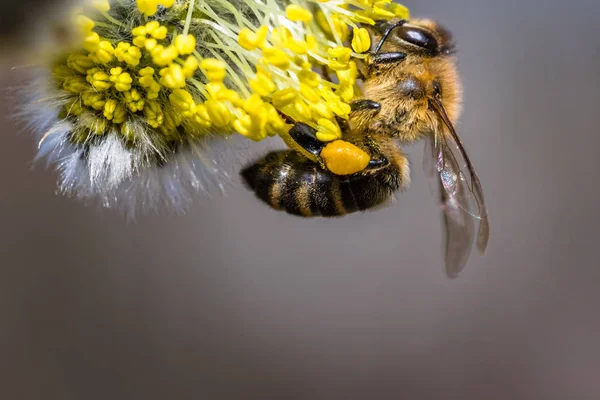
x: 235, y: 301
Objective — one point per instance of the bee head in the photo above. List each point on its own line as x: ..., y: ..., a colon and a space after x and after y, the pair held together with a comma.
x: 422, y: 37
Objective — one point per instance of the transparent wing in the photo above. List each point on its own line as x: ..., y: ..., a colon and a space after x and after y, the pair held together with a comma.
x: 461, y: 197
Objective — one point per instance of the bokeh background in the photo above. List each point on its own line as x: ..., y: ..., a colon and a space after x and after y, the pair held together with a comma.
x: 235, y: 301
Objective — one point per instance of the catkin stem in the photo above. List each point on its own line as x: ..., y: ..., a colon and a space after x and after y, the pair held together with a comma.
x: 188, y: 19
x: 111, y: 19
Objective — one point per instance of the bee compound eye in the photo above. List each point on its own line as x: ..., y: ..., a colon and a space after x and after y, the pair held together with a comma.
x: 419, y: 37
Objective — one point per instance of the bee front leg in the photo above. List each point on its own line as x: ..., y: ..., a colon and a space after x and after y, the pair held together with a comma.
x: 364, y: 104
x: 386, y: 58
x: 362, y: 112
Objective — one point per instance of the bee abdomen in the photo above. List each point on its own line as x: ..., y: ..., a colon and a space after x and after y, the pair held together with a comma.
x: 288, y: 181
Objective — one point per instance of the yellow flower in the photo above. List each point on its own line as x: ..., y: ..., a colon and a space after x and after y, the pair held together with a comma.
x: 84, y: 23
x: 297, y: 46
x: 94, y: 100
x: 115, y: 112
x: 243, y: 126
x: 301, y: 108
x: 122, y: 80
x: 340, y: 53
x: 218, y: 112
x: 282, y: 67
x: 310, y: 78
x: 275, y: 124
x: 75, y: 84
x: 201, y: 117
x: 213, y: 69
x: 185, y: 44
x: 339, y: 26
x: 254, y: 121
x: 190, y: 66
x: 399, y: 11
x: 230, y: 96
x: 101, y: 5
x: 149, y: 7
x: 284, y: 97
x: 361, y: 41
x: 295, y: 12
x: 348, y: 76
x: 151, y: 29
x: 103, y: 54
x: 215, y: 88
x: 309, y: 93
x: 321, y: 110
x: 276, y: 57
x: 146, y: 78
x: 280, y: 36
x: 153, y: 113
x: 328, y: 130
x: 340, y: 108
x: 99, y: 79
x: 380, y: 12
x: 91, y: 42
x: 134, y: 100
x: 263, y: 84
x: 96, y: 126
x: 79, y: 63
x: 163, y: 56
x: 128, y: 53
x: 363, y: 18
x: 146, y: 36
x: 250, y: 40
x: 346, y: 92
x: 171, y: 121
x: 172, y: 77
x: 183, y: 102
x: 202, y: 112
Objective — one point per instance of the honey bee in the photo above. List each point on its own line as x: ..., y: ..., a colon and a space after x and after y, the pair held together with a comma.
x: 411, y: 92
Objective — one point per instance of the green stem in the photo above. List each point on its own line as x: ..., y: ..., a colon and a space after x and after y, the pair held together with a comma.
x: 111, y: 19
x: 188, y: 19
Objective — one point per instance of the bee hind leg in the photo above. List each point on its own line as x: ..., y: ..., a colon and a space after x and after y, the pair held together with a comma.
x: 305, y: 137
x: 377, y: 163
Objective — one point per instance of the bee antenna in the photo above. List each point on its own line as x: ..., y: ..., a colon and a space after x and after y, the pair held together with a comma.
x: 387, y: 34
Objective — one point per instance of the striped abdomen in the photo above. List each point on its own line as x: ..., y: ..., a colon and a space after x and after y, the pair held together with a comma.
x: 286, y: 180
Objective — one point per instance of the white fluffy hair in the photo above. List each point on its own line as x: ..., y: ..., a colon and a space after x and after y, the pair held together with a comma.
x: 111, y: 173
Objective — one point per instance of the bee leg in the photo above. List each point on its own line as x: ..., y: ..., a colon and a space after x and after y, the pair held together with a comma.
x: 363, y: 104
x: 306, y: 137
x: 377, y: 163
x: 387, y: 58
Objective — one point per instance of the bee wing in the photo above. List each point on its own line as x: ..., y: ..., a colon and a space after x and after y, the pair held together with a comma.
x: 460, y: 195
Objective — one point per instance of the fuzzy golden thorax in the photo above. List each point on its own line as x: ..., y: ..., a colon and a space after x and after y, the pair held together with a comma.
x: 404, y: 89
